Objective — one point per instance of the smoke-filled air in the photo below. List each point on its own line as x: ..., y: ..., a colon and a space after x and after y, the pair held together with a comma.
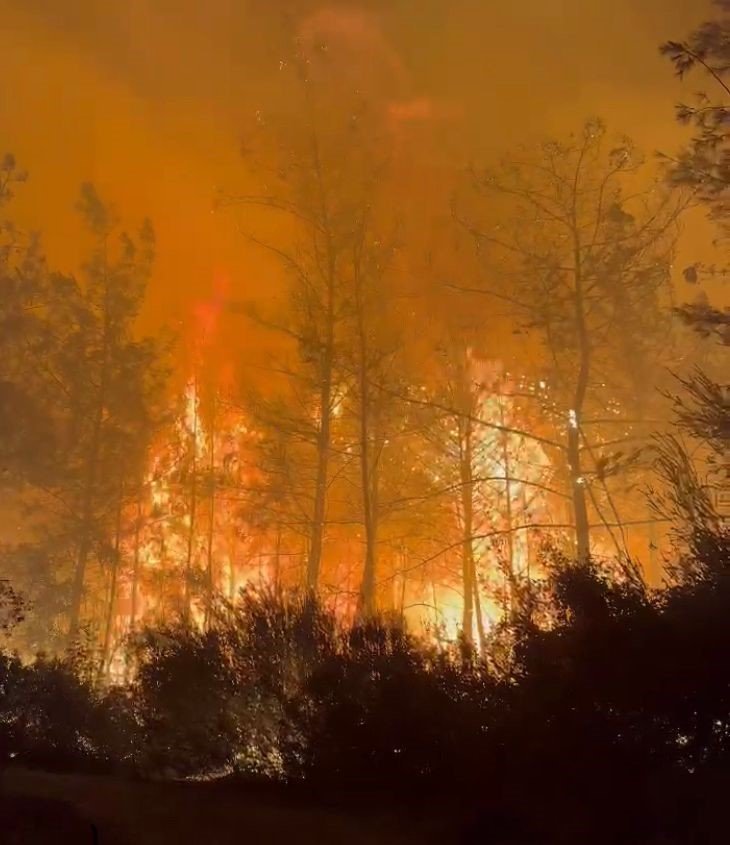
x: 364, y: 421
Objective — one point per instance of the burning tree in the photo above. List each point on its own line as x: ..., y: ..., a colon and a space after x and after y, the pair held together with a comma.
x: 583, y: 262
x: 94, y: 386
x: 188, y: 539
x: 324, y: 180
x: 112, y: 381
x: 492, y: 475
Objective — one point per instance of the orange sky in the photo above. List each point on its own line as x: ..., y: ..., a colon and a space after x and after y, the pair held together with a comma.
x: 148, y: 98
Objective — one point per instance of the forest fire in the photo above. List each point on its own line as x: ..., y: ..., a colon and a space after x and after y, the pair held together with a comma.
x: 186, y: 534
x: 381, y: 471
x: 194, y: 534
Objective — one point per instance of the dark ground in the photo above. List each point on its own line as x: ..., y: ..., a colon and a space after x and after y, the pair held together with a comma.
x: 39, y: 807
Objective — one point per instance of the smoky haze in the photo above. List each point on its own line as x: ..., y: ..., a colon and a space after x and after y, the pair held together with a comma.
x: 363, y: 420
x: 149, y: 101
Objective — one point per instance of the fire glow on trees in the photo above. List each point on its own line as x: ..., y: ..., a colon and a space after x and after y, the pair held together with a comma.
x: 194, y: 532
x: 201, y: 526
x: 377, y: 471
x: 185, y: 539
x: 468, y: 470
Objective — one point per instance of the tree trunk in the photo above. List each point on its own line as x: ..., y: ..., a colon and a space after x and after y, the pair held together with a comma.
x: 436, y: 613
x: 508, y: 513
x: 478, y: 613
x: 577, y: 485
x: 135, y: 565
x: 77, y: 590
x: 466, y: 478
x: 187, y: 599
x: 314, y: 559
x: 211, y: 523
x: 105, y: 656
x: 367, y: 587
x: 163, y: 582
x: 277, y: 560
x: 404, y: 581
x: 327, y: 351
x: 87, y: 509
x: 528, y: 544
x: 232, y: 568
x: 368, y: 482
x: 577, y: 481
x: 87, y: 524
x: 135, y: 580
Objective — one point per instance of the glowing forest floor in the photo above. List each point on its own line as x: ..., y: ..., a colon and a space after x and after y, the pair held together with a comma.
x: 38, y: 808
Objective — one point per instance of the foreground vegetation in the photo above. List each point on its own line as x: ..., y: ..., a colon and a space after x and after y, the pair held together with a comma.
x: 597, y: 710
x: 609, y: 723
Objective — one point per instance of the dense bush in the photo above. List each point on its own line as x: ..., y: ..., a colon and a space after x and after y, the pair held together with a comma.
x: 391, y: 711
x: 616, y: 720
x: 50, y: 715
x: 232, y: 698
x: 614, y: 697
x: 50, y: 712
x: 276, y: 687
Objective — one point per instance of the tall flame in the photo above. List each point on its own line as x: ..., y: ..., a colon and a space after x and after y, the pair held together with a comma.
x: 192, y: 537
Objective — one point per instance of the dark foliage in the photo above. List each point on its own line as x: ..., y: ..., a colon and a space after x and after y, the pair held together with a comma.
x: 707, y: 321
x: 613, y: 722
x: 704, y: 165
x: 249, y: 671
x: 51, y: 716
x: 608, y: 722
x: 391, y: 713
x: 12, y: 607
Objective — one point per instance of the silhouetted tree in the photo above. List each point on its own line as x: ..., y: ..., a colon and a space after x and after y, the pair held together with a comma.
x: 112, y: 380
x: 703, y: 165
x: 585, y: 263
x: 27, y: 433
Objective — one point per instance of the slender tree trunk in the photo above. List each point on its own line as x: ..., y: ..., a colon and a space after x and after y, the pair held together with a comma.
x: 105, y: 651
x: 77, y: 590
x: 211, y: 523
x: 277, y: 560
x: 135, y: 564
x: 404, y: 581
x: 368, y: 476
x: 314, y: 559
x: 232, y: 569
x: 367, y: 587
x: 577, y: 480
x: 578, y: 492
x: 163, y: 581
x: 528, y: 545
x: 466, y: 478
x: 326, y: 373
x: 187, y: 599
x: 436, y: 612
x: 508, y: 513
x: 135, y: 580
x: 478, y: 613
x: 87, y: 508
x: 87, y: 525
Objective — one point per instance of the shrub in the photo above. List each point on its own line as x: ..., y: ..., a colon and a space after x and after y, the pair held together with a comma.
x: 390, y: 711
x: 232, y: 698
x: 52, y: 717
